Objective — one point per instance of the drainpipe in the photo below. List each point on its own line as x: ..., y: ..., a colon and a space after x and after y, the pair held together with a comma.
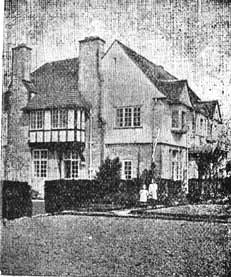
x: 90, y: 145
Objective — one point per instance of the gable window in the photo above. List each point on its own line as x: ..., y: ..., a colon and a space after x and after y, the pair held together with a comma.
x: 127, y: 170
x: 40, y: 161
x: 71, y: 165
x: 36, y: 120
x: 175, y: 119
x: 128, y: 117
x: 59, y: 119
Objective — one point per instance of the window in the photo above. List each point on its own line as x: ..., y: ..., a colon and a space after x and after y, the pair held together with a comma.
x: 137, y: 116
x: 71, y: 165
x: 36, y: 120
x: 175, y: 119
x: 40, y: 159
x: 127, y: 170
x: 176, y: 165
x: 183, y: 119
x: 119, y: 117
x: 128, y: 117
x: 59, y: 119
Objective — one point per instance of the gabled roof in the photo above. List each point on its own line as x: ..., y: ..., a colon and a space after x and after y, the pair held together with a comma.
x: 166, y: 83
x: 152, y: 71
x: 208, y: 108
x: 56, y: 84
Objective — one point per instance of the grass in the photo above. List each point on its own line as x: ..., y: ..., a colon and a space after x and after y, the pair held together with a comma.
x: 201, y: 209
x: 104, y: 246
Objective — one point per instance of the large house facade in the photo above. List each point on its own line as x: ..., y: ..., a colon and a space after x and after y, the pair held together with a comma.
x: 66, y: 117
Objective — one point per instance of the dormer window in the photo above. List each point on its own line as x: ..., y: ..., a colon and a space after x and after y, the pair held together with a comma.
x: 59, y: 119
x: 175, y: 119
x: 179, y: 122
x: 36, y: 120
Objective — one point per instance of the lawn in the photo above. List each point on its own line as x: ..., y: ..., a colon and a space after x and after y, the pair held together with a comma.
x: 201, y: 209
x: 112, y: 246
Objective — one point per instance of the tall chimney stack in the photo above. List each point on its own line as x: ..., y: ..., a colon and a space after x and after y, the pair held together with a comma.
x: 21, y: 62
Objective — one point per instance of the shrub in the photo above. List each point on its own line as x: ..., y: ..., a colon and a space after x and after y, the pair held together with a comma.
x: 16, y: 199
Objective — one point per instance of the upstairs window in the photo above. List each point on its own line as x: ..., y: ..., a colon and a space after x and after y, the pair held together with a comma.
x: 179, y: 120
x: 36, y: 120
x: 175, y: 119
x: 183, y: 119
x: 59, y: 119
x: 128, y: 117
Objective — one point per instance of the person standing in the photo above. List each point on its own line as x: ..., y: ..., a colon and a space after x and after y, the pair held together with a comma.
x: 143, y: 195
x: 152, y: 193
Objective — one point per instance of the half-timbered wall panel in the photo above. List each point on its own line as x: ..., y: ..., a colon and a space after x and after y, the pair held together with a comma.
x: 62, y: 136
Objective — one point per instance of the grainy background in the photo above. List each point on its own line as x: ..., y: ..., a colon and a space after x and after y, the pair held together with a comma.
x: 191, y: 39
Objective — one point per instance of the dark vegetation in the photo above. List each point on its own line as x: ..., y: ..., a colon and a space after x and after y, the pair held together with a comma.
x: 16, y: 199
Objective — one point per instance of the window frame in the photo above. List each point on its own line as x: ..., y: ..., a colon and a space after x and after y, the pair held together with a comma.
x: 59, y: 116
x: 36, y: 125
x: 128, y: 117
x: 126, y: 171
x: 38, y: 170
x: 73, y: 162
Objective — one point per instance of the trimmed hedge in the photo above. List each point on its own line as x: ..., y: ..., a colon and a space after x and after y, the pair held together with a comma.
x: 72, y: 194
x: 16, y: 199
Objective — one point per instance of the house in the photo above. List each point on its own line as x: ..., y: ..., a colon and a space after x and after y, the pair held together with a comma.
x: 67, y: 116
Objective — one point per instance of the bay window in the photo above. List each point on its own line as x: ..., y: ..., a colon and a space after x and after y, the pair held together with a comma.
x: 59, y: 119
x: 36, y: 120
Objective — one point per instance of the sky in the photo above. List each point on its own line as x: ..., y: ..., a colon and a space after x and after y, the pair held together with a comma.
x: 190, y: 38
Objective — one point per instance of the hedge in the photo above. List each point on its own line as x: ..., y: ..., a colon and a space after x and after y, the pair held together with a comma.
x: 16, y: 199
x: 72, y: 194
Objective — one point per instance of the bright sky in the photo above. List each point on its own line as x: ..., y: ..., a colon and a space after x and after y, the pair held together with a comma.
x: 191, y: 39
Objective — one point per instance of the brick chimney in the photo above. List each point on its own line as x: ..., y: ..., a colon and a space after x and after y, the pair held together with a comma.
x: 91, y: 51
x: 21, y: 62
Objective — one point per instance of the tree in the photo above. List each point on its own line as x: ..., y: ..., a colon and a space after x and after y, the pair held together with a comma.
x: 109, y: 173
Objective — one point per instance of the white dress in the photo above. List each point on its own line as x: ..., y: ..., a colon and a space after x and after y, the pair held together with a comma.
x: 153, y: 191
x: 143, y: 195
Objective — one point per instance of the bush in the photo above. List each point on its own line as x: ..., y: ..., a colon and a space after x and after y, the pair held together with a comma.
x: 16, y: 199
x: 63, y: 195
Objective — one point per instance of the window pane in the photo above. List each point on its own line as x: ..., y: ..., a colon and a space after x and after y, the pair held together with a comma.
x: 183, y: 120
x: 128, y: 169
x: 39, y: 119
x: 33, y: 120
x: 128, y: 117
x: 36, y: 168
x: 175, y: 119
x: 75, y: 169
x: 67, y: 169
x: 54, y: 119
x: 74, y: 155
x: 44, y: 154
x: 36, y: 154
x: 137, y: 116
x: 43, y: 168
x: 63, y: 119
x: 119, y: 117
